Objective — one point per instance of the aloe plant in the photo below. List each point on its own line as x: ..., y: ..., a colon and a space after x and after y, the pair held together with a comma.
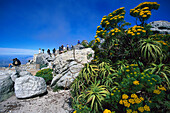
x: 150, y: 50
x: 95, y: 94
x: 162, y: 70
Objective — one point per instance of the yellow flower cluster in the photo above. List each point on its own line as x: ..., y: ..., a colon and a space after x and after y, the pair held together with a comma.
x: 103, y: 32
x: 106, y: 111
x: 114, y: 31
x: 134, y: 96
x: 162, y: 88
x: 130, y: 111
x: 162, y: 42
x: 146, y: 108
x: 157, y: 91
x: 124, y: 96
x: 115, y: 15
x: 136, y: 82
x: 136, y: 31
x: 144, y: 9
x: 141, y: 109
x: 97, y: 40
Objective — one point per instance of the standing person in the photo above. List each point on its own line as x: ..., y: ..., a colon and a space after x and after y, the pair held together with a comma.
x: 59, y: 50
x: 48, y: 51
x: 71, y: 47
x: 78, y: 41
x: 54, y: 51
x: 67, y: 47
x: 39, y: 50
x: 43, y: 50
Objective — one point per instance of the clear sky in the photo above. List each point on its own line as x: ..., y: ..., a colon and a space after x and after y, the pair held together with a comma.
x: 34, y: 24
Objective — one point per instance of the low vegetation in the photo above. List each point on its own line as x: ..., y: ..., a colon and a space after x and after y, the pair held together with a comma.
x: 130, y: 71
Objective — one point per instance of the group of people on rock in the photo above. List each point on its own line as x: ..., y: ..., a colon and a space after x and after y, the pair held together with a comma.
x: 61, y: 49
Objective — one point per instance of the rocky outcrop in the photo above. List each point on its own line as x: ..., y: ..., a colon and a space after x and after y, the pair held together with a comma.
x: 160, y: 27
x: 6, y: 85
x: 68, y: 65
x: 28, y: 86
x: 79, y: 47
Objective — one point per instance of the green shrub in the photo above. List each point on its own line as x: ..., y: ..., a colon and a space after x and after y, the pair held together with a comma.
x: 46, y: 74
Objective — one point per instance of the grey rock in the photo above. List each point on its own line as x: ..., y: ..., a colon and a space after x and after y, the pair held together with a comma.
x: 28, y: 86
x: 160, y: 27
x: 42, y: 58
x: 24, y: 73
x: 6, y: 86
x: 79, y: 46
x: 68, y: 65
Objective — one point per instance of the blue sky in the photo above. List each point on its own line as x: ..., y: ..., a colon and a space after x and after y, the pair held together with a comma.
x: 32, y: 24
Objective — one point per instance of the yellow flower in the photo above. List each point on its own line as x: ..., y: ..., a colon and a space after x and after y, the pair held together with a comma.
x: 127, y: 70
x: 157, y: 92
x: 127, y: 66
x: 129, y: 110
x: 116, y: 44
x: 137, y: 100
x: 112, y: 94
x: 138, y: 33
x: 134, y: 112
x: 133, y: 34
x: 136, y: 64
x: 144, y: 16
x: 142, y: 98
x: 75, y: 112
x: 97, y: 40
x: 146, y: 108
x: 134, y: 96
x: 136, y: 82
x: 150, y: 101
x: 124, y: 96
x: 162, y: 88
x: 139, y: 29
x: 132, y: 64
x: 141, y: 109
x: 98, y: 26
x: 113, y: 33
x: 121, y: 102
x: 127, y: 104
x: 106, y: 111
x: 131, y: 101
x: 134, y: 72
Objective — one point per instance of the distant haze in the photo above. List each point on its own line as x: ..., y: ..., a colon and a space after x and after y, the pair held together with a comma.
x: 5, y: 60
x: 14, y: 51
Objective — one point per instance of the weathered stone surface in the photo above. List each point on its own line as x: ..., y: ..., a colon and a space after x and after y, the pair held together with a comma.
x: 42, y: 58
x: 69, y: 64
x: 6, y: 86
x: 79, y: 46
x: 161, y: 27
x: 28, y: 86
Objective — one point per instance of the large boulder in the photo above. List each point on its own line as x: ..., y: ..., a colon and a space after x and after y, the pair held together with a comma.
x: 42, y: 58
x: 68, y: 65
x: 160, y: 27
x: 6, y: 85
x: 28, y: 86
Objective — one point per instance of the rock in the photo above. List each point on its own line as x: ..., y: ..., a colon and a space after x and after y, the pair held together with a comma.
x: 79, y: 46
x: 6, y: 86
x: 160, y: 27
x: 69, y: 64
x: 28, y: 86
x: 42, y: 58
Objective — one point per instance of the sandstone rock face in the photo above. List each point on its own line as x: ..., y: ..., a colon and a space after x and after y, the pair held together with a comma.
x: 6, y: 85
x: 28, y: 86
x: 161, y: 27
x: 69, y: 64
